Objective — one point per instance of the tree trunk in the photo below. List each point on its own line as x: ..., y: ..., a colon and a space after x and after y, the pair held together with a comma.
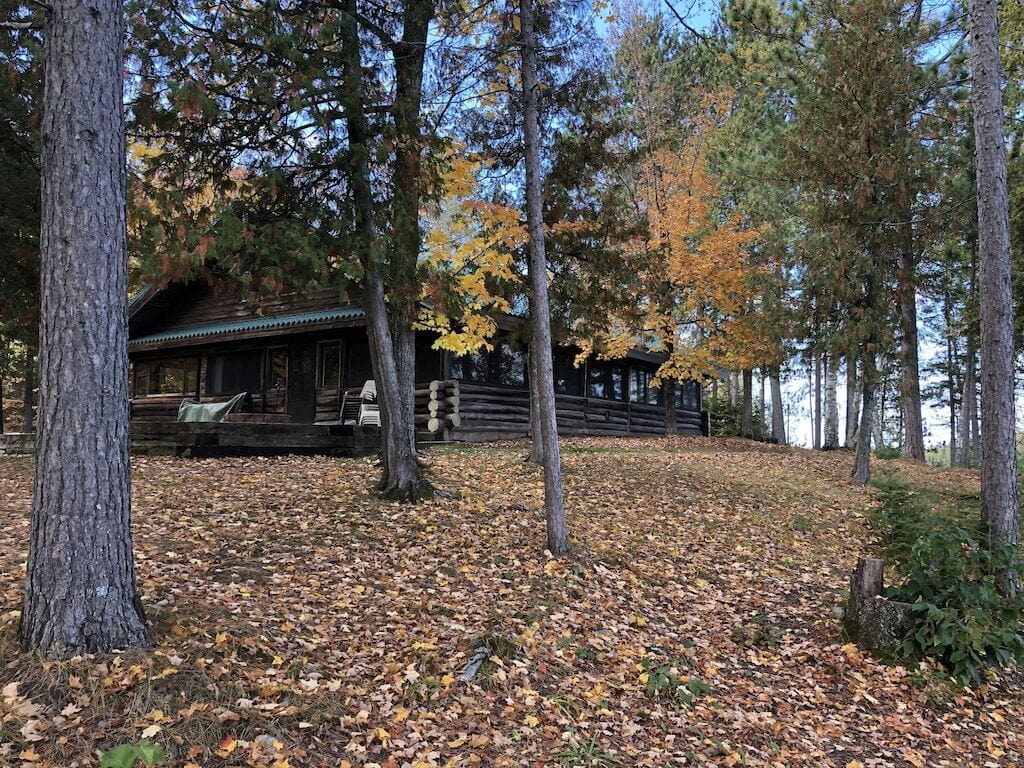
x: 862, y: 454
x: 998, y: 438
x: 816, y: 437
x: 831, y: 439
x: 734, y: 389
x: 554, y: 508
x: 778, y: 415
x: 27, y: 398
x: 536, y: 433
x: 968, y: 407
x: 910, y: 378
x: 391, y: 339
x: 80, y: 593
x: 747, y: 409
x: 669, y: 404
x: 947, y: 306
x: 852, y: 396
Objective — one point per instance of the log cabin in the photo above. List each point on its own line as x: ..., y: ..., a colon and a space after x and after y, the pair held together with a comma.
x: 296, y: 356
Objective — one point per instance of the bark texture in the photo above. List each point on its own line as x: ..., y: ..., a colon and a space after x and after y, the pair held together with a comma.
x: 831, y: 438
x: 910, y: 376
x: 816, y: 404
x: 80, y: 592
x: 747, y: 405
x: 998, y: 440
x: 554, y: 505
x: 536, y: 433
x: 27, y: 421
x: 862, y: 453
x: 778, y: 415
x: 852, y: 396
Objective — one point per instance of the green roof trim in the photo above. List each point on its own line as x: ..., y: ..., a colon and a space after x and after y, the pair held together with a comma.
x: 252, y: 324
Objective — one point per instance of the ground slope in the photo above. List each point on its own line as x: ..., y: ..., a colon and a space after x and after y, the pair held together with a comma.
x: 301, y: 622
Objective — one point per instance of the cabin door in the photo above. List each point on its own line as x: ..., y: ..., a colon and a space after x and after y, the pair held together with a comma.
x: 302, y: 384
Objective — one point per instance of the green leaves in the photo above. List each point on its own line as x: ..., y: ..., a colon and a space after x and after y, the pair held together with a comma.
x: 144, y: 753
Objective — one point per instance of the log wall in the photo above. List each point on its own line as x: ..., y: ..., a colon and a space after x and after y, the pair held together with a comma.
x: 458, y: 410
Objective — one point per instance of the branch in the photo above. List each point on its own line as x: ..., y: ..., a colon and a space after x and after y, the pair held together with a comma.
x: 20, y: 25
x: 685, y: 25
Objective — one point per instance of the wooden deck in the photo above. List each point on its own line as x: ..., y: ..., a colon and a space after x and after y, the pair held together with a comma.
x: 172, y: 438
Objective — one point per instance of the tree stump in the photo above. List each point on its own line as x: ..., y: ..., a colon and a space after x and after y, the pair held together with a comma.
x: 875, y: 623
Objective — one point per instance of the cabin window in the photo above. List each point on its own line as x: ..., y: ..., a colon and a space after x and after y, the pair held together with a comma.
x: 234, y: 372
x: 504, y: 365
x: 688, y: 396
x: 278, y: 370
x: 165, y: 377
x: 328, y: 372
x: 640, y: 388
x: 568, y: 378
x: 605, y: 380
x: 475, y: 367
x: 509, y: 366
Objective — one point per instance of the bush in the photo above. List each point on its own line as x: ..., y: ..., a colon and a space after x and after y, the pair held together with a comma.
x: 888, y: 452
x: 950, y: 579
x: 724, y: 418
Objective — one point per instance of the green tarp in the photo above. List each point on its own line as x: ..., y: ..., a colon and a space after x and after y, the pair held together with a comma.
x: 193, y: 410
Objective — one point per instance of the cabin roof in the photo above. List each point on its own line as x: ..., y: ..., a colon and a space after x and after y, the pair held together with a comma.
x: 251, y: 324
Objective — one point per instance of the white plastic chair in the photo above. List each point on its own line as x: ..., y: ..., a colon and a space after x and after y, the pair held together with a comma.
x: 369, y: 410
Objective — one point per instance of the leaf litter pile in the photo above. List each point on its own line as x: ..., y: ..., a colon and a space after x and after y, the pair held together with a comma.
x: 298, y: 620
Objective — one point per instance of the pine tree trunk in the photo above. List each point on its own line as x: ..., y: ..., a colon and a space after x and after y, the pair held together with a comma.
x: 27, y: 400
x: 536, y: 433
x: 778, y: 415
x: 80, y: 593
x: 947, y: 305
x: 554, y: 506
x: 831, y: 439
x: 998, y: 439
x: 852, y: 397
x: 968, y: 407
x: 816, y: 439
x: 910, y: 378
x: 862, y: 453
x: 747, y: 405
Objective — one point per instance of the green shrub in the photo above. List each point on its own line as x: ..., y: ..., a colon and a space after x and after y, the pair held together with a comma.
x: 950, y: 578
x: 887, y: 452
x: 128, y: 755
x: 724, y: 418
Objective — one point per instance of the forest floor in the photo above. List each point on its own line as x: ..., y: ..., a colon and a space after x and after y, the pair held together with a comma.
x: 299, y: 621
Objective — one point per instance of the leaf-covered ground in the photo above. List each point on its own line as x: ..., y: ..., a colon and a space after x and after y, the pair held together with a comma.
x: 299, y: 621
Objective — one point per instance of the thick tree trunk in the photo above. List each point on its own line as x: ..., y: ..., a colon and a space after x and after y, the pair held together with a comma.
x: 998, y: 439
x: 80, y: 592
x: 669, y: 404
x: 734, y: 389
x: 778, y: 415
x: 554, y: 506
x: 862, y: 453
x: 536, y: 432
x: 831, y: 439
x: 27, y: 421
x: 747, y: 406
x: 852, y: 397
x: 392, y: 348
x: 910, y: 379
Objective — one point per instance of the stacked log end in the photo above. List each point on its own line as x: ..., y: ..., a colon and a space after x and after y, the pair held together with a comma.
x: 437, y: 406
